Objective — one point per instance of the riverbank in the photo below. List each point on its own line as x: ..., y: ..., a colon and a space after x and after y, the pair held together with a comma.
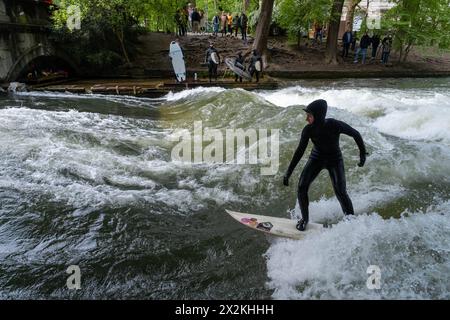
x: 285, y: 60
x: 150, y: 74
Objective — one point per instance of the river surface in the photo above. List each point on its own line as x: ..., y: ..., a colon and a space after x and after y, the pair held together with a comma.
x: 90, y: 181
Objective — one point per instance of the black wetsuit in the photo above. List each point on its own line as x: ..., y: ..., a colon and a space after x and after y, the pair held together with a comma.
x: 239, y: 63
x: 212, y: 67
x: 326, y: 154
x: 253, y: 59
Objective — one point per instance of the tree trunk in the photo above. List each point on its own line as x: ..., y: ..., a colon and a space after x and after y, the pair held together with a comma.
x: 333, y: 32
x: 407, y: 50
x: 120, y: 36
x: 263, y: 28
x: 400, y: 53
x: 351, y: 14
x: 245, y: 4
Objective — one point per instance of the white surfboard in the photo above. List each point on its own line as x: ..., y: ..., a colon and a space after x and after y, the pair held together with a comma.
x: 275, y: 226
x: 258, y: 65
x: 215, y: 58
x: 230, y: 63
x: 177, y: 61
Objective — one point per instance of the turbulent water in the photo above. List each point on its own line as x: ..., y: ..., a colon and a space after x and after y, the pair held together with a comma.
x: 89, y: 181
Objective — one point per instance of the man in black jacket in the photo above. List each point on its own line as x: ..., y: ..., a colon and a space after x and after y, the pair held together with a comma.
x: 363, y: 45
x: 326, y: 154
x: 347, y: 40
x: 196, y: 18
x: 375, y: 44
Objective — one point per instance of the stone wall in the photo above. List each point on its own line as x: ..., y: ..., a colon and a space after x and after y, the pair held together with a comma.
x: 23, y: 35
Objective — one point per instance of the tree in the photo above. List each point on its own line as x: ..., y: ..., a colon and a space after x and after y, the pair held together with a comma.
x: 113, y: 16
x: 418, y: 22
x: 297, y: 15
x: 263, y: 28
x: 333, y: 32
x: 351, y: 7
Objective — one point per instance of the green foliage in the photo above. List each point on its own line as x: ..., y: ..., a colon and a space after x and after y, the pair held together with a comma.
x: 418, y: 22
x: 104, y: 60
x: 108, y: 32
x: 296, y: 16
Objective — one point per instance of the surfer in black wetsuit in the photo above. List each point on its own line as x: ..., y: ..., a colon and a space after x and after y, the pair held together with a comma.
x: 239, y: 63
x: 212, y: 66
x: 253, y: 59
x: 326, y: 154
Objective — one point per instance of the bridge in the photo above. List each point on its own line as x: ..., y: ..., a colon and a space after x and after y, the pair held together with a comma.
x: 24, y: 40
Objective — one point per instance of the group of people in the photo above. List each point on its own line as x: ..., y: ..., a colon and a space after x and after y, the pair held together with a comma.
x: 213, y: 59
x: 349, y: 39
x: 239, y: 62
x: 227, y: 23
x: 190, y: 19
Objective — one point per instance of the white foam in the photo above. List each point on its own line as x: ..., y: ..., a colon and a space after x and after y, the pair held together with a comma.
x: 68, y: 95
x: 192, y: 92
x: 329, y: 210
x: 70, y: 157
x: 420, y: 114
x: 412, y: 253
x: 431, y: 123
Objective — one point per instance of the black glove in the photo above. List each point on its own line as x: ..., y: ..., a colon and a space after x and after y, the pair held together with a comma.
x: 362, y: 159
x: 286, y: 180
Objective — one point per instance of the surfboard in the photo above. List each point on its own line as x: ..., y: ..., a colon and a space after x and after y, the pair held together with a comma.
x: 258, y: 65
x: 215, y: 58
x: 176, y: 55
x: 230, y: 64
x: 276, y: 226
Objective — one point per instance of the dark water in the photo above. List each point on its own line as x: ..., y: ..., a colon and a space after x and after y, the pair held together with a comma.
x: 89, y: 181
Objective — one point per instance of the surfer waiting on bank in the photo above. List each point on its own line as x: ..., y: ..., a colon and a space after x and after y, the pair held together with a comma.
x: 326, y: 154
x: 256, y: 64
x: 239, y: 63
x: 213, y: 59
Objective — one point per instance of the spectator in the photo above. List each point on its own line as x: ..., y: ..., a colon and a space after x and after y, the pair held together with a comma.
x: 243, y: 24
x: 363, y: 45
x: 230, y: 23
x: 387, y: 44
x: 203, y: 21
x: 216, y: 24
x: 195, y: 21
x: 375, y: 45
x: 236, y: 24
x: 355, y: 38
x: 318, y: 34
x: 190, y: 10
x: 347, y: 40
x: 223, y: 20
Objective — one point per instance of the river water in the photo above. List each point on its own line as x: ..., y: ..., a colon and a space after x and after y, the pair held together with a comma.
x: 90, y: 181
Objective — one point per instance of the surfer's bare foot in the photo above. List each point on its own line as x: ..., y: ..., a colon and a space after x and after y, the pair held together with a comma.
x: 301, y: 225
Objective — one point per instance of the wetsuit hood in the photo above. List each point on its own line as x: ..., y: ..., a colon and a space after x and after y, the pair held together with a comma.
x: 318, y: 109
